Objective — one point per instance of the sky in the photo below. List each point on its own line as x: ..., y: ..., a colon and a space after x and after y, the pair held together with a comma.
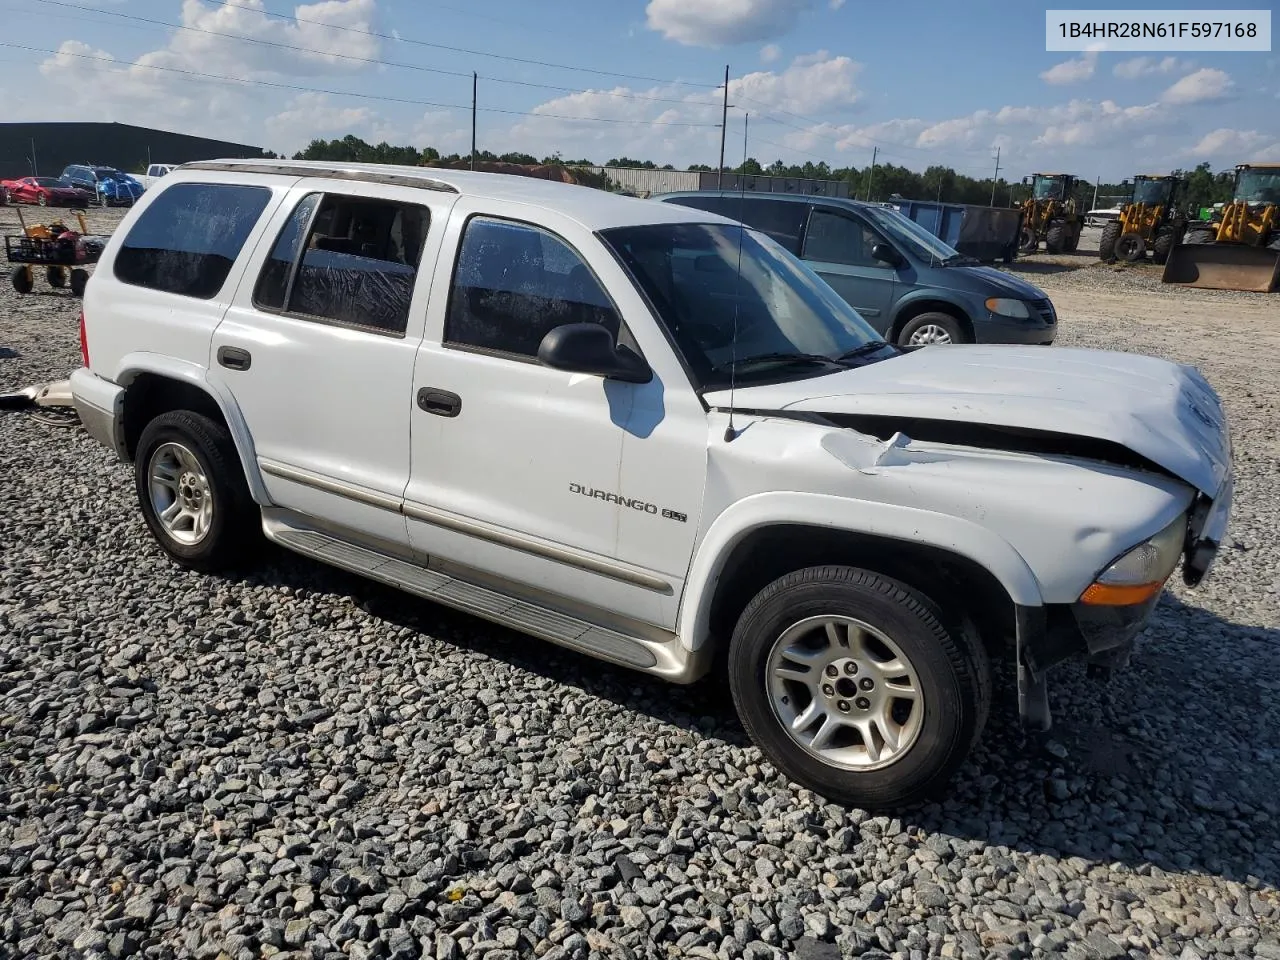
x: 920, y: 83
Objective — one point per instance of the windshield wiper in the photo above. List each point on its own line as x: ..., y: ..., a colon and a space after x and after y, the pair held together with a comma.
x: 814, y: 359
x: 875, y: 346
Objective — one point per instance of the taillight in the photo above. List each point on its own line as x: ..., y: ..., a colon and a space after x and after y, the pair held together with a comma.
x: 84, y: 342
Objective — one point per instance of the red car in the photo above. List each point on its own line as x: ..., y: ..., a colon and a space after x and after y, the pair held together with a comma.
x: 45, y: 191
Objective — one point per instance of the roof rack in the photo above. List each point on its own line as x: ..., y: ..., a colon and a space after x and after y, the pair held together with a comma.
x: 329, y: 172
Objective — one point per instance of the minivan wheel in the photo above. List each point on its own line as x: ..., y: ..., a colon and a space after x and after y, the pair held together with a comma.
x: 852, y: 686
x: 192, y: 491
x: 932, y: 328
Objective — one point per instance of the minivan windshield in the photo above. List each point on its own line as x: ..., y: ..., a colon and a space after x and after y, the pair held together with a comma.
x: 739, y: 307
x: 905, y: 231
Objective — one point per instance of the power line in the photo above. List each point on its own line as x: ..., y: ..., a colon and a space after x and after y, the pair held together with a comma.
x: 216, y: 78
x: 357, y: 59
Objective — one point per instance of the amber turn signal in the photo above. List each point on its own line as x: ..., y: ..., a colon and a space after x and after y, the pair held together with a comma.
x: 1120, y: 595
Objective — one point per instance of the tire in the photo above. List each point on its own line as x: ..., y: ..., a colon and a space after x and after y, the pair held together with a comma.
x: 1165, y: 241
x: 948, y: 671
x: 1027, y: 242
x: 1131, y: 248
x: 1107, y: 245
x: 1073, y: 238
x: 1201, y: 235
x: 4, y: 197
x: 933, y: 328
x: 232, y: 522
x: 42, y: 200
x: 57, y: 276
x: 1055, y: 238
x: 79, y: 280
x: 22, y: 279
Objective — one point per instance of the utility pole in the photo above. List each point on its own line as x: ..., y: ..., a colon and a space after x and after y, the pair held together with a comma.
x: 474, y: 83
x: 994, y: 176
x: 35, y: 172
x: 1095, y: 192
x: 724, y: 123
x: 871, y: 170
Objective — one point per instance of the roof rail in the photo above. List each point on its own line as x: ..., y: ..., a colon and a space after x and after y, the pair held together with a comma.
x: 332, y: 172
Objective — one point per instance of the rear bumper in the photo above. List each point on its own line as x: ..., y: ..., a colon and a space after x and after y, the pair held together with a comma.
x: 100, y: 405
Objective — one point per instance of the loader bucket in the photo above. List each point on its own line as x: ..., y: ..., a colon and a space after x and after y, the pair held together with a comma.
x: 1223, y: 266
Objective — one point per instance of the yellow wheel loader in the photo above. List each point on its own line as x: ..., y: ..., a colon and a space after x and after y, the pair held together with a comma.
x: 1051, y: 214
x: 1239, y: 249
x: 1149, y: 220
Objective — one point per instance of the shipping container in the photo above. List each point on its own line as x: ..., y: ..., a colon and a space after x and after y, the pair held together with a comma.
x: 988, y: 234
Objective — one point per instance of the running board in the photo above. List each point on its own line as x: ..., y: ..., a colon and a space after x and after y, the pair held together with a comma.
x: 667, y: 659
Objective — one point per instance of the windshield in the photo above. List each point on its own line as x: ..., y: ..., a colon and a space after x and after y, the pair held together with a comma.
x: 923, y: 244
x: 776, y: 306
x: 47, y: 181
x: 1259, y: 186
x: 1048, y: 188
x: 1151, y: 192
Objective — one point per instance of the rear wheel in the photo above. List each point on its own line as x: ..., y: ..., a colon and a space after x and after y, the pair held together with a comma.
x: 79, y: 279
x: 1107, y: 245
x: 1131, y: 248
x: 1055, y: 239
x: 57, y: 276
x: 930, y: 329
x: 192, y: 491
x: 853, y: 687
x: 42, y: 199
x: 1201, y: 235
x: 1165, y: 241
x: 22, y: 279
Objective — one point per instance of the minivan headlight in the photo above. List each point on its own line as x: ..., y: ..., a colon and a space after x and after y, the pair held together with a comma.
x: 1139, y: 574
x: 1007, y: 307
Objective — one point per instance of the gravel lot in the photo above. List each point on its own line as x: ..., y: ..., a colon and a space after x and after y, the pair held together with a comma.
x: 297, y: 762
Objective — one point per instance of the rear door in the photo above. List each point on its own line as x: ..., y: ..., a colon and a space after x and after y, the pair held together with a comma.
x: 837, y: 246
x: 318, y: 348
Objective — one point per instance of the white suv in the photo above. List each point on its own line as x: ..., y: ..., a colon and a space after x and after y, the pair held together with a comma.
x: 645, y: 433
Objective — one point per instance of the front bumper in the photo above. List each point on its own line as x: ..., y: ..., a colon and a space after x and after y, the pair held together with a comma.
x: 100, y: 405
x: 994, y: 328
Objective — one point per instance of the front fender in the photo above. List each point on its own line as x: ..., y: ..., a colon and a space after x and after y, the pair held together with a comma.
x: 942, y: 295
x: 962, y: 537
x: 134, y: 364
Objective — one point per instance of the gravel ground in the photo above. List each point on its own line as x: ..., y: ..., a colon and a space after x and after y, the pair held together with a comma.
x: 297, y: 762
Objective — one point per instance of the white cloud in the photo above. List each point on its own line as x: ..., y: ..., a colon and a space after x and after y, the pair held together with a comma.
x: 1235, y: 146
x: 311, y: 115
x: 1071, y: 71
x: 1136, y: 67
x: 1202, y: 86
x: 713, y: 23
x: 814, y: 82
x: 770, y: 52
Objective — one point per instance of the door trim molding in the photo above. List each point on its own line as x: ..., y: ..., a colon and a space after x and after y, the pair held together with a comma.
x: 440, y: 518
x: 539, y: 548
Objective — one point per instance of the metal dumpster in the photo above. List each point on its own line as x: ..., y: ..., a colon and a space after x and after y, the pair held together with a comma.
x: 988, y: 234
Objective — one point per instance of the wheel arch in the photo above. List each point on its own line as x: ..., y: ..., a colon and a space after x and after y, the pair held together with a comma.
x: 155, y: 385
x: 764, y: 537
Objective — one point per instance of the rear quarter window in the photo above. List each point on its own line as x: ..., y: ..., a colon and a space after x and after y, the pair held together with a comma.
x: 186, y: 241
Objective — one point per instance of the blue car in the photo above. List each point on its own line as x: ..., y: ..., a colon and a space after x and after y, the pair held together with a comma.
x: 912, y: 287
x: 111, y: 187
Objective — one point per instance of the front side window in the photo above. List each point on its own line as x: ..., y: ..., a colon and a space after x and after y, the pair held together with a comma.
x: 514, y: 283
x: 357, y: 264
x: 188, y: 238
x: 770, y: 319
x: 836, y: 238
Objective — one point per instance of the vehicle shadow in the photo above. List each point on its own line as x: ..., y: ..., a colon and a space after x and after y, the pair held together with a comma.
x: 1142, y: 770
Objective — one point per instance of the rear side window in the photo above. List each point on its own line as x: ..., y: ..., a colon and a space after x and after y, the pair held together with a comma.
x: 514, y: 283
x: 188, y: 238
x: 356, y: 266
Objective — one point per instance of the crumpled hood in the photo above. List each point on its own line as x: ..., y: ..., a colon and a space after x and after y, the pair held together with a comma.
x: 1162, y: 411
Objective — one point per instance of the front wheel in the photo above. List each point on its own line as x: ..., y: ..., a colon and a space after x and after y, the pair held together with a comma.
x: 932, y: 329
x: 853, y: 687
x: 79, y: 280
x: 22, y: 279
x: 1107, y: 243
x: 1055, y: 238
x: 192, y: 491
x: 1131, y: 248
x: 1027, y: 241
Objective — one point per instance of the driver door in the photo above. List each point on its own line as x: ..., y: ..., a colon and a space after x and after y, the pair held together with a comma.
x: 837, y: 246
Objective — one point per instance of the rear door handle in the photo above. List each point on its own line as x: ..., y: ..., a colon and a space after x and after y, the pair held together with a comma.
x: 440, y: 402
x: 234, y: 358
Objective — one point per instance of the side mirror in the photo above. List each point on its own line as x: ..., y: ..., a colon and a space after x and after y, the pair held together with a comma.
x: 886, y: 254
x: 589, y: 348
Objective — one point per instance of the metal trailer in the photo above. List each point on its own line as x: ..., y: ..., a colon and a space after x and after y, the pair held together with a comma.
x: 989, y: 234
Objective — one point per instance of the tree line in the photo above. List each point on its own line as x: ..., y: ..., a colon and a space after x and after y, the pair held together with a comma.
x: 883, y: 182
